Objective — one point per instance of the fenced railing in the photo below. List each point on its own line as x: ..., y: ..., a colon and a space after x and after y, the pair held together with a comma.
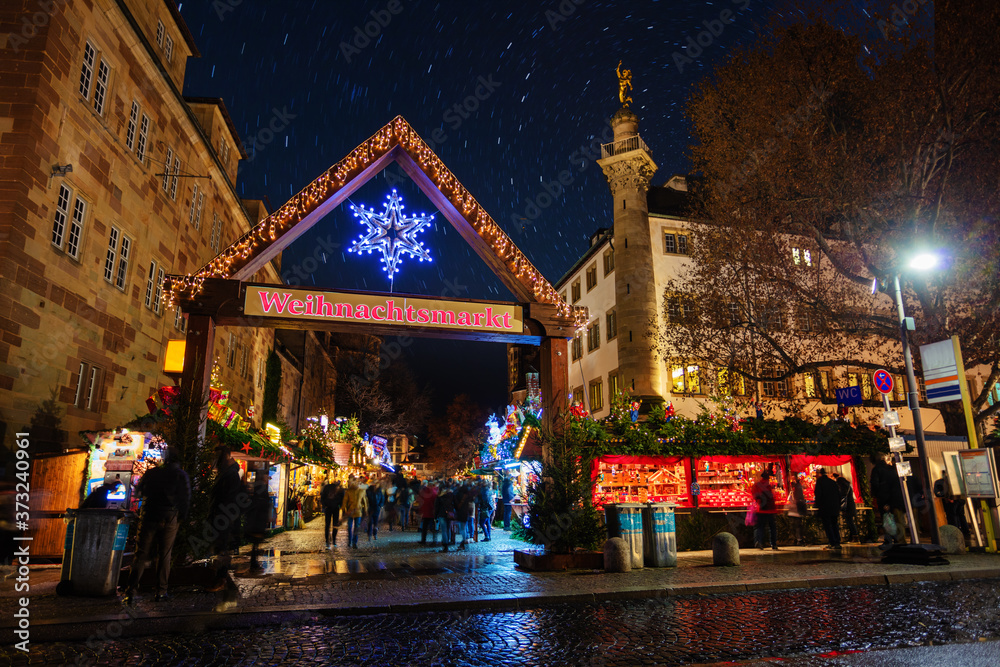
x: 623, y: 146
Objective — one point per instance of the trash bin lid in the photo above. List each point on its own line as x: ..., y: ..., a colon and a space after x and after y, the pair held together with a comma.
x: 662, y: 504
x: 631, y: 505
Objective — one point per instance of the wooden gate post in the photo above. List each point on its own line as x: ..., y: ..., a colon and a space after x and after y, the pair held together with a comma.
x: 554, y: 383
x: 197, y: 378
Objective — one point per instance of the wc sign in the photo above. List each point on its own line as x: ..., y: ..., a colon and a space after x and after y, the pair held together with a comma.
x: 848, y: 396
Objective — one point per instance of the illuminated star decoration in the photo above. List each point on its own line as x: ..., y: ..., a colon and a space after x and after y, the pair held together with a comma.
x: 392, y: 233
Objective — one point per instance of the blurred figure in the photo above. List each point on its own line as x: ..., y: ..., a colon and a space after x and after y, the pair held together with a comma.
x: 355, y: 507
x: 797, y: 509
x: 428, y: 512
x: 848, y: 508
x: 331, y: 498
x: 888, y: 496
x: 828, y: 507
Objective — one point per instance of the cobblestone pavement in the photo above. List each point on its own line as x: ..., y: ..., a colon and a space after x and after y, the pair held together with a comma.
x: 664, y: 631
x: 396, y: 573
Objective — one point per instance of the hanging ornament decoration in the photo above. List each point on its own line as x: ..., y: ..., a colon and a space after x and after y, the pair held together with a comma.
x: 392, y: 233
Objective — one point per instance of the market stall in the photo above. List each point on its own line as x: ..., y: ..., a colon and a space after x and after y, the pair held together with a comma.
x: 804, y: 466
x: 121, y: 456
x: 725, y: 481
x: 640, y: 479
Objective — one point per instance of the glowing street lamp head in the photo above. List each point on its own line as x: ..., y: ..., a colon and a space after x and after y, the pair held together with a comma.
x: 924, y: 261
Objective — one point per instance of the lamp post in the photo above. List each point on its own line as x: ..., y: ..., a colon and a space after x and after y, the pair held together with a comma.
x: 913, y: 400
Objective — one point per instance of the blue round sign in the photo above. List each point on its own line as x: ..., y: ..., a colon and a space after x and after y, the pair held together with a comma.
x: 883, y: 381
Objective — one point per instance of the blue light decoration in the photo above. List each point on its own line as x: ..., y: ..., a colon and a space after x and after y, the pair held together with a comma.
x: 379, y: 448
x: 392, y: 233
x: 507, y: 437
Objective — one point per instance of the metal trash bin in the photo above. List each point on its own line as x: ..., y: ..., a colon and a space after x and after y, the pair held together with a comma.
x: 624, y: 520
x: 92, y: 555
x: 659, y: 535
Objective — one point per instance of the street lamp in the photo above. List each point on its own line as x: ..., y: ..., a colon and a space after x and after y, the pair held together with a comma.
x: 920, y: 262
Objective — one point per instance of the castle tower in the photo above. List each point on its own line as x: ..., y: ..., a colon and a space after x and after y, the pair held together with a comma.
x: 628, y: 166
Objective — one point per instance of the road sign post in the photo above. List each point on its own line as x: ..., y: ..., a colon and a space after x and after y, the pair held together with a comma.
x: 883, y: 382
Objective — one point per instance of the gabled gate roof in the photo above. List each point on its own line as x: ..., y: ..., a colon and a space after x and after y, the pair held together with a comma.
x: 395, y: 141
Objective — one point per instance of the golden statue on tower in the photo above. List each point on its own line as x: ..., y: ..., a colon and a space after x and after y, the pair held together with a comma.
x: 624, y: 84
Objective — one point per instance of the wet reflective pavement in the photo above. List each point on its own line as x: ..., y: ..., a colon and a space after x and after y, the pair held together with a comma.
x: 299, y: 565
x: 666, y: 631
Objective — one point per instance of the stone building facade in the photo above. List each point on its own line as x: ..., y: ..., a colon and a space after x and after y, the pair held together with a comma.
x: 109, y: 181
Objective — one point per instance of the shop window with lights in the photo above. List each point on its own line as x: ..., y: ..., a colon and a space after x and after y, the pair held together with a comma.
x: 802, y: 257
x: 685, y: 378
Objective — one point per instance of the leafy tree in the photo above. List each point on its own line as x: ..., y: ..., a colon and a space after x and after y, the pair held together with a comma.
x: 805, y: 140
x: 456, y: 436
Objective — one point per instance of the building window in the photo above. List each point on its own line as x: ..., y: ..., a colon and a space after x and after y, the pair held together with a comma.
x: 594, y: 336
x: 577, y: 347
x: 806, y: 319
x: 180, y: 322
x: 154, y: 287
x: 612, y: 323
x: 89, y: 383
x: 197, y: 201
x: 773, y: 387
x: 231, y: 351
x: 592, y: 277
x: 596, y: 395
x: 734, y: 314
x: 168, y: 48
x: 578, y: 395
x: 133, y: 125
x: 575, y: 288
x: 563, y: 297
x: 94, y: 87
x: 216, y: 240
x: 675, y: 244
x: 166, y: 169
x: 116, y: 262
x: 770, y: 319
x: 899, y: 388
x: 801, y: 257
x: 867, y: 386
x: 140, y: 146
x: 173, y: 181
x: 817, y: 384
x: 160, y: 30
x: 731, y: 383
x: 680, y: 310
x: 244, y: 361
x: 609, y: 261
x: 260, y: 373
x: 614, y: 384
x: 224, y: 153
x: 67, y: 228
x: 685, y: 379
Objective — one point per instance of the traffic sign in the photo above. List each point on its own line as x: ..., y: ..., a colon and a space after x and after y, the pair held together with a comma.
x: 897, y: 444
x: 883, y: 381
x: 849, y: 395
x: 903, y: 468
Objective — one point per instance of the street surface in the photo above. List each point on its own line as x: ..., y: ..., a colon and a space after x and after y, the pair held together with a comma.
x: 667, y: 631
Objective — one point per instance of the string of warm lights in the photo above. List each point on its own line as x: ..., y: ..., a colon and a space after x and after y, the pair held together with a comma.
x: 398, y: 131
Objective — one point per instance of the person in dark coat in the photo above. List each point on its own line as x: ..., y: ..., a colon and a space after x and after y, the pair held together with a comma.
x: 331, y: 498
x: 98, y: 498
x: 376, y: 500
x: 166, y: 494
x: 404, y: 499
x: 507, y: 498
x: 766, y: 509
x: 888, y: 495
x: 444, y: 512
x: 828, y: 507
x: 229, y: 500
x: 848, y: 508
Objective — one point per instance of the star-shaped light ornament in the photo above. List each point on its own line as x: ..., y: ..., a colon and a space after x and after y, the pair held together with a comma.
x: 391, y: 232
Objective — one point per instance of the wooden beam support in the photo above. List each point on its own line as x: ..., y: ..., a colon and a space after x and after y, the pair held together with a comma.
x: 197, y: 377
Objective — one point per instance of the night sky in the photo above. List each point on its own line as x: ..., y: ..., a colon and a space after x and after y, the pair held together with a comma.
x: 545, y: 74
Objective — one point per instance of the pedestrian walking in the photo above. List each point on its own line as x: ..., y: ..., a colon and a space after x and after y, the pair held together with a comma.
x: 354, y: 507
x: 404, y: 498
x: 888, y: 496
x: 226, y: 507
x: 391, y: 506
x: 331, y: 499
x: 376, y: 501
x: 487, y: 504
x: 766, y: 509
x: 797, y: 509
x: 954, y: 507
x: 848, y: 508
x: 828, y: 507
x: 166, y: 499
x: 444, y: 512
x: 428, y: 512
x: 465, y: 513
x: 507, y: 498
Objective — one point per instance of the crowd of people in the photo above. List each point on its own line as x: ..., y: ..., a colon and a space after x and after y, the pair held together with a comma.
x: 450, y: 509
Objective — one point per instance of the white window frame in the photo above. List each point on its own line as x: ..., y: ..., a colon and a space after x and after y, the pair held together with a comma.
x: 68, y: 221
x: 160, y: 31
x: 88, y: 385
x: 154, y: 287
x: 168, y: 48
x: 140, y: 147
x: 166, y: 170
x: 173, y: 181
x: 102, y: 85
x: 87, y: 69
x: 109, y: 260
x: 124, y: 255
x: 133, y: 126
x: 216, y: 240
x: 180, y: 322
